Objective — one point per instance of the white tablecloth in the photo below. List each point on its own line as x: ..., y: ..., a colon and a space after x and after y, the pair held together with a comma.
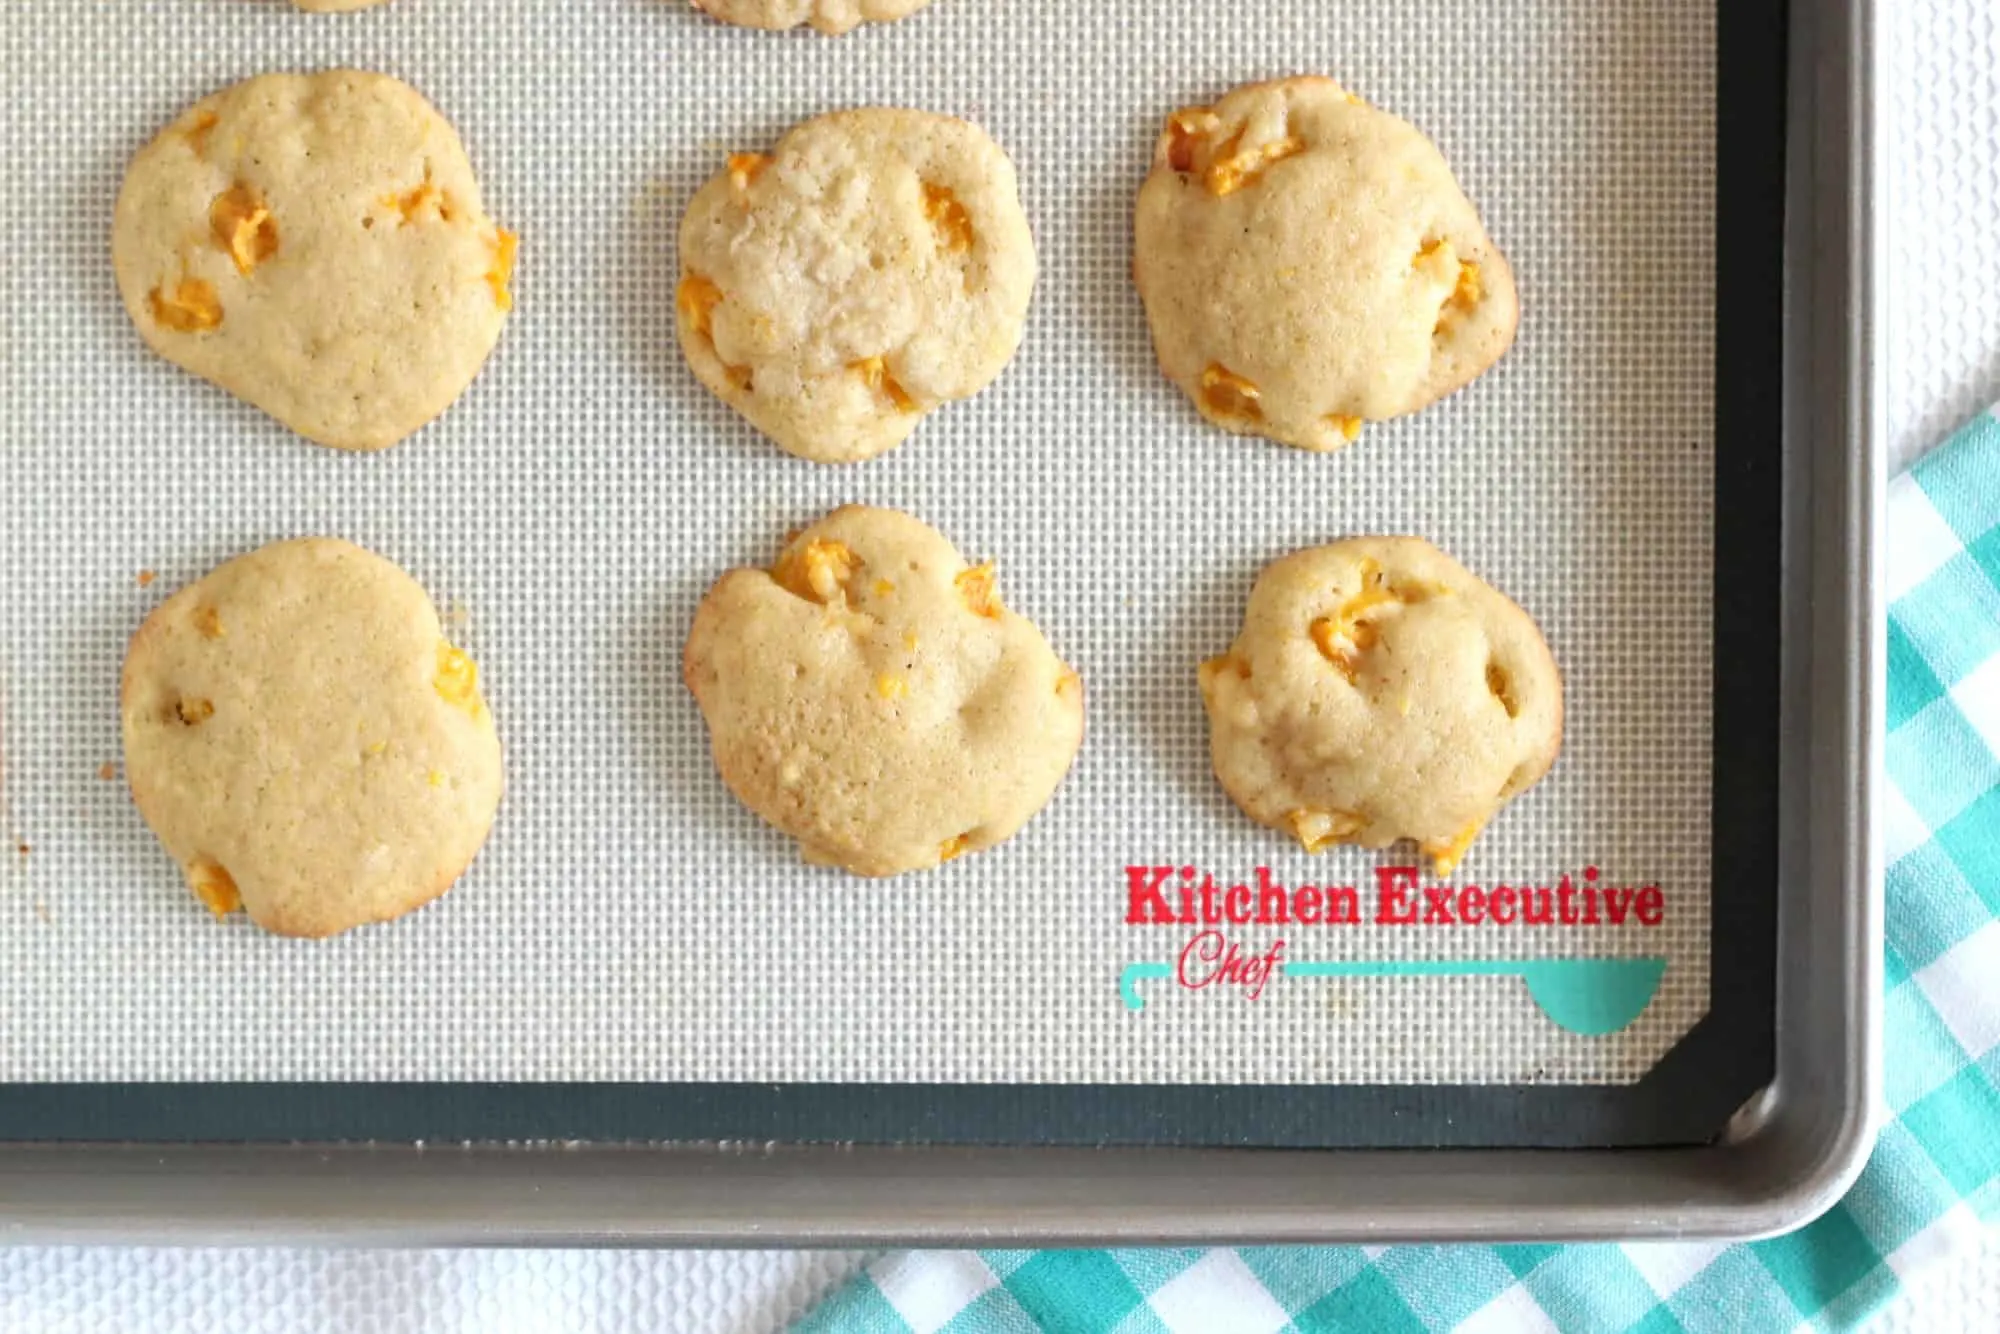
x: 1943, y: 326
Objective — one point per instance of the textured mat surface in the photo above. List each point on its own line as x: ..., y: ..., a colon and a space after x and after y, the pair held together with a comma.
x: 629, y: 920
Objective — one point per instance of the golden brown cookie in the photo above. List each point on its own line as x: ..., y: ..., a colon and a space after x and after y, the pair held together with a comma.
x: 1308, y: 263
x: 1380, y: 691
x: 305, y: 742
x: 874, y: 266
x: 316, y: 245
x: 834, y: 16
x: 872, y: 697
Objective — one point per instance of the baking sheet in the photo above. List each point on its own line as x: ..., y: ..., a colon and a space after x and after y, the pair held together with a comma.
x: 628, y: 920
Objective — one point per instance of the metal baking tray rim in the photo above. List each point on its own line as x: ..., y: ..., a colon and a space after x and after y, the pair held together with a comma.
x: 1790, y: 1154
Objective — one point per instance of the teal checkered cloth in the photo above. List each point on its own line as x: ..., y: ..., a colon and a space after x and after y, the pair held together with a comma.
x: 1927, y: 1193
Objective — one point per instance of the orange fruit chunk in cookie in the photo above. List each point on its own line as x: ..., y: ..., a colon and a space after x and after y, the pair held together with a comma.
x: 501, y: 271
x: 819, y: 571
x: 1470, y: 289
x: 875, y: 374
x: 190, y: 307
x: 457, y: 678
x: 214, y: 886
x: 975, y: 587
x: 698, y: 298
x: 243, y: 227
x: 1446, y: 855
x: 1348, y: 631
x: 1318, y: 830
x: 410, y: 205
x: 1501, y: 686
x: 1467, y: 290
x: 1227, y: 394
x: 1235, y: 167
x: 745, y: 168
x: 1186, y: 128
x: 197, y: 133
x: 948, y: 216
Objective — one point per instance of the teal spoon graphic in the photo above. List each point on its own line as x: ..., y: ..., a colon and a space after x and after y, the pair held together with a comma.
x: 1591, y: 997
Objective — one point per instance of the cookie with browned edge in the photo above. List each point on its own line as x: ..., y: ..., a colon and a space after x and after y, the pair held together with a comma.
x: 873, y: 267
x: 1308, y: 263
x: 1380, y: 691
x: 316, y: 245
x: 872, y: 696
x: 305, y: 742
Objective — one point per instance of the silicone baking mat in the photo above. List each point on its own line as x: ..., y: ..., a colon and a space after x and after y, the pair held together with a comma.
x: 628, y: 921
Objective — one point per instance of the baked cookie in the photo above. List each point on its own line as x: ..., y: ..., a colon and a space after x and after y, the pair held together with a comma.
x: 1308, y: 263
x: 335, y: 6
x: 1380, y: 691
x: 315, y: 244
x: 305, y: 743
x: 835, y: 16
x: 871, y: 697
x: 875, y: 265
